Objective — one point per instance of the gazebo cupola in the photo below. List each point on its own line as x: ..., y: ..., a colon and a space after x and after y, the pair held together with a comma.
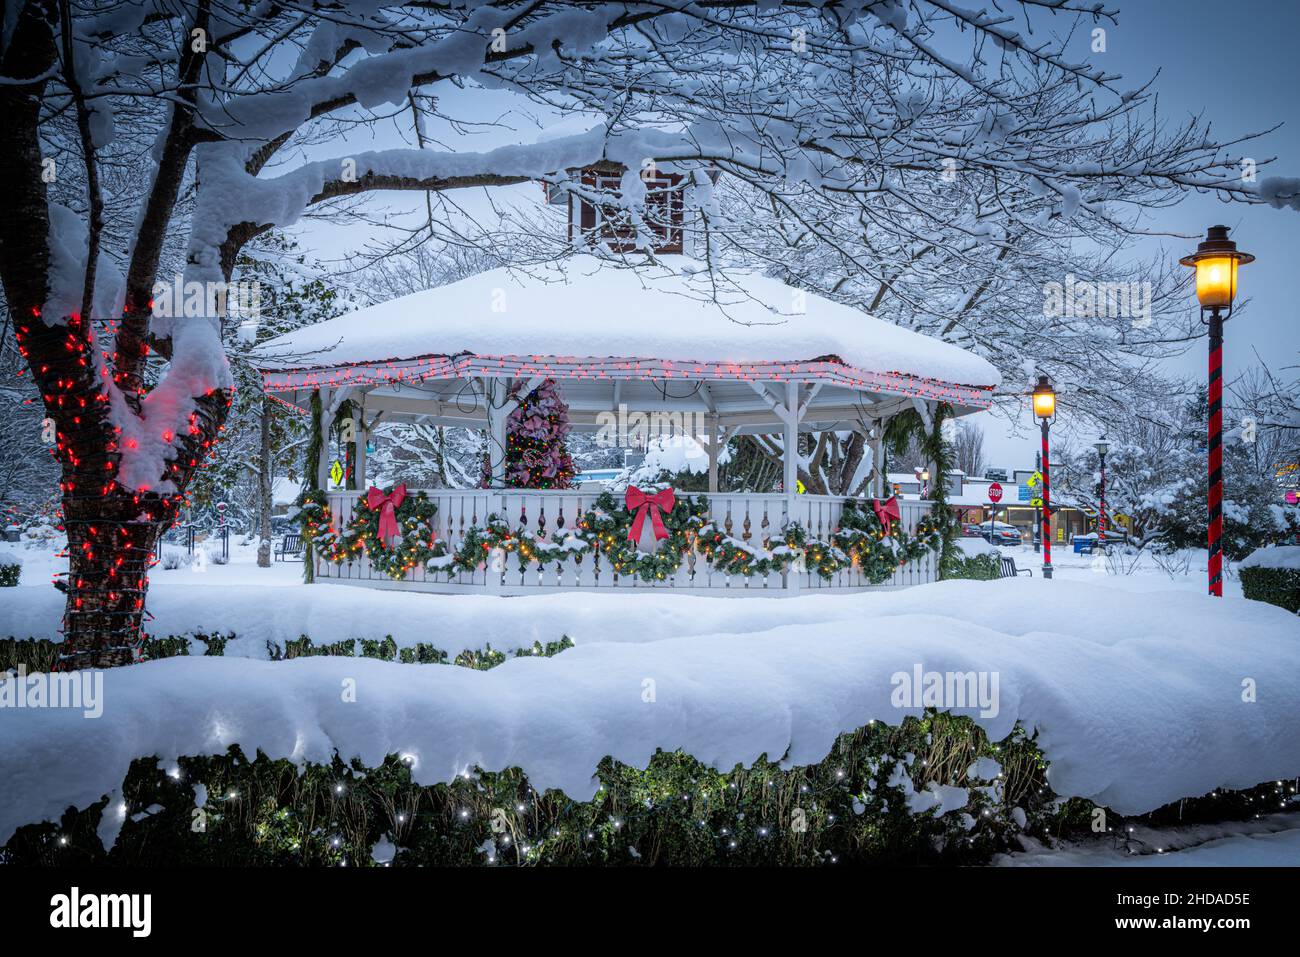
x: 663, y: 199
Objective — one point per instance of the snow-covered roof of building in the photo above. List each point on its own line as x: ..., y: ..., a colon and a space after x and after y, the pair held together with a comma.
x: 284, y: 490
x: 673, y: 311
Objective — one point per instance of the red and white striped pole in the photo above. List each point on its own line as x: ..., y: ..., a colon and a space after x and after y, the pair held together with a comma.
x: 1216, y: 260
x: 1216, y: 454
x: 1101, y: 513
x: 1047, y: 505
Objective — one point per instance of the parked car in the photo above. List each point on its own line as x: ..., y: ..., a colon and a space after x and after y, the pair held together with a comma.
x: 971, y: 530
x: 999, y: 533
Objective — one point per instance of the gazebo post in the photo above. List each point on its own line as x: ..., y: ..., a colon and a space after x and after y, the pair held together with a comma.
x: 877, y: 446
x: 790, y: 465
x: 326, y: 419
x: 714, y: 430
x: 360, y: 437
x: 495, y: 394
x: 790, y: 451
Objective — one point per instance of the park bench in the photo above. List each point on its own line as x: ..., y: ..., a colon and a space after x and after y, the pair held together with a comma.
x: 1009, y: 569
x: 290, y: 547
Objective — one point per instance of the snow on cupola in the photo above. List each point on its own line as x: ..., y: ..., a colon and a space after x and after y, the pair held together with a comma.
x: 629, y: 210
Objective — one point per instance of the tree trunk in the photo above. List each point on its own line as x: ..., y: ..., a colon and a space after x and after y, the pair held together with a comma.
x: 264, y: 491
x: 112, y: 530
x: 109, y: 554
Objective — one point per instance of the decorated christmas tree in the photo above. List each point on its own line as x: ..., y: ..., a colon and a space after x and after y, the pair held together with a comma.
x: 536, y: 455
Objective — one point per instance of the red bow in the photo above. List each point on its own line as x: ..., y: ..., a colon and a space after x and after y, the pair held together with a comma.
x: 641, y: 503
x: 387, y: 506
x: 886, y: 511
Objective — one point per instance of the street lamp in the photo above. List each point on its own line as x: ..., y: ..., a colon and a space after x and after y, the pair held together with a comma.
x: 1044, y: 400
x: 1102, y: 447
x: 1216, y: 260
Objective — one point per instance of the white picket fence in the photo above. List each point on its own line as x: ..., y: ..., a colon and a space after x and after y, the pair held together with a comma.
x: 750, y: 517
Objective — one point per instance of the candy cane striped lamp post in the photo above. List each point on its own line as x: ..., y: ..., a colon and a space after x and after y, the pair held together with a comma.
x: 1216, y: 260
x: 1044, y: 397
x: 1102, y: 447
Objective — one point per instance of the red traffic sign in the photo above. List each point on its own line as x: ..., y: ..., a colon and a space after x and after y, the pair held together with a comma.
x: 995, y: 492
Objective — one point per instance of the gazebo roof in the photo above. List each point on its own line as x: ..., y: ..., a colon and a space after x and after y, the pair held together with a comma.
x: 587, y: 318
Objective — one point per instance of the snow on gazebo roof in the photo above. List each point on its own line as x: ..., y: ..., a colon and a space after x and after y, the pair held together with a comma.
x: 583, y: 313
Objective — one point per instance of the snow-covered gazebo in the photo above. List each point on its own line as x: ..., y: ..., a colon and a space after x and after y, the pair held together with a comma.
x: 667, y: 340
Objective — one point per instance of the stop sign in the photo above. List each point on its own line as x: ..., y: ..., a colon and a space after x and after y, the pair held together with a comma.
x: 995, y: 492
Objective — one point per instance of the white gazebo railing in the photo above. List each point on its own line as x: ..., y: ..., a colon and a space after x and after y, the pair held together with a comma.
x: 753, y: 518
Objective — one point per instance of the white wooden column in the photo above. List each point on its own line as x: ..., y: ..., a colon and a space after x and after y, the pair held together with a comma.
x: 925, y: 410
x: 494, y: 394
x: 790, y: 464
x: 326, y: 417
x: 790, y: 458
x: 878, y: 459
x: 715, y: 432
x: 361, y: 436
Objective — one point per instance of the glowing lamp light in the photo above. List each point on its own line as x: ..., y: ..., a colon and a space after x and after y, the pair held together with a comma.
x: 1044, y: 398
x: 1216, y: 260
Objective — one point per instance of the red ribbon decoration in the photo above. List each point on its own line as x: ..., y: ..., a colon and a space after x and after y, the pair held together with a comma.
x: 387, y: 506
x: 887, y: 510
x: 639, y: 502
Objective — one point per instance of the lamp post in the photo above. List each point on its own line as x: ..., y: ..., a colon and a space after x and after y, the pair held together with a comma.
x: 1216, y: 260
x: 1102, y: 447
x: 1044, y: 397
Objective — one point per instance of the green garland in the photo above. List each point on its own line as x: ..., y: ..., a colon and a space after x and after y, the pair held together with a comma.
x: 603, y: 531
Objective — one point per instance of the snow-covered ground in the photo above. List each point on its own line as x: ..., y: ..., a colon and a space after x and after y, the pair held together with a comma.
x: 1142, y: 690
x: 261, y: 605
x: 1271, y: 841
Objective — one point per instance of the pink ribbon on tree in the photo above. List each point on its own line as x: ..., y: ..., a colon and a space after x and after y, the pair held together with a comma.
x: 387, y: 506
x: 642, y: 504
x: 887, y: 511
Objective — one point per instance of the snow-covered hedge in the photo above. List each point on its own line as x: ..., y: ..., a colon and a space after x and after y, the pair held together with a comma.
x: 983, y: 566
x: 11, y: 569
x: 932, y: 789
x: 878, y: 797
x: 1272, y: 574
x: 41, y: 655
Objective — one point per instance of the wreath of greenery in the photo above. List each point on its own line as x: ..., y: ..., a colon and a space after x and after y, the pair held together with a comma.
x: 859, y: 542
x: 416, y: 547
x: 606, y: 527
